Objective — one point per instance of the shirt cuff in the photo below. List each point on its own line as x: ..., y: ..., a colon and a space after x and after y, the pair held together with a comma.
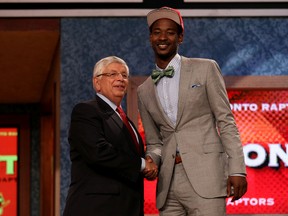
x: 143, y: 164
x: 238, y: 174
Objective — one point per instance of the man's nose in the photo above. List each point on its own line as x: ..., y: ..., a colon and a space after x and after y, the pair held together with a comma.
x: 163, y: 36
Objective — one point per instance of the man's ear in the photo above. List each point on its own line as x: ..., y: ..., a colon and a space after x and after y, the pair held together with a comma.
x: 150, y: 36
x: 180, y: 38
x: 96, y: 84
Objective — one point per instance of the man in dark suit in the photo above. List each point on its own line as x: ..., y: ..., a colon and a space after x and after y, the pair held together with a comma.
x: 107, y: 163
x: 189, y: 127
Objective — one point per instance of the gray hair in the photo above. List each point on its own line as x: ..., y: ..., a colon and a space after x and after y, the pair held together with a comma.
x: 103, y: 63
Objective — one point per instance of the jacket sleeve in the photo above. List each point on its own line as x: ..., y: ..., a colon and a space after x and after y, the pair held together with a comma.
x: 220, y: 106
x: 153, y: 138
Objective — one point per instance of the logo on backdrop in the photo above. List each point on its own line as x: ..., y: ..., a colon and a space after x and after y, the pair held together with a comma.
x: 3, y: 203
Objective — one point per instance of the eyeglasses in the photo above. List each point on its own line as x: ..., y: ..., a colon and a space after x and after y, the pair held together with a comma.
x: 114, y: 75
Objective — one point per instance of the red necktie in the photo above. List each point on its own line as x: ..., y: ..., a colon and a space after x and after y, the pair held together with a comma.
x: 126, y: 122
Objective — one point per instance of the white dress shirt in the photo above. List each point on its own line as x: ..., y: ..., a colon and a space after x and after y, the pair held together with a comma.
x: 168, y: 89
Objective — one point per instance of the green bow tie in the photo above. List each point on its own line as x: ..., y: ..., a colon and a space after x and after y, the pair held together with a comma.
x: 157, y: 75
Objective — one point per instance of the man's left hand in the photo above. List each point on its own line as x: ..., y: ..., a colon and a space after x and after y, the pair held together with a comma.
x: 236, y: 187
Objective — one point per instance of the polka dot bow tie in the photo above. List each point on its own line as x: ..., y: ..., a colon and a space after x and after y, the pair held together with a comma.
x: 157, y: 74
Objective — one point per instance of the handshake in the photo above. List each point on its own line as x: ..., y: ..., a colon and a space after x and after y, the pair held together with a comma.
x: 151, y: 169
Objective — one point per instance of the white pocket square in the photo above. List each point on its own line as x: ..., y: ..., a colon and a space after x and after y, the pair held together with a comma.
x: 195, y: 85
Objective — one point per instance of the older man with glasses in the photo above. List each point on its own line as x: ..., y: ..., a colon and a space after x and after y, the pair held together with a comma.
x: 106, y: 150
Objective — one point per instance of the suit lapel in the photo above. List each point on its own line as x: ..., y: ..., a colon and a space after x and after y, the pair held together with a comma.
x: 154, y: 97
x: 111, y: 114
x: 185, y: 77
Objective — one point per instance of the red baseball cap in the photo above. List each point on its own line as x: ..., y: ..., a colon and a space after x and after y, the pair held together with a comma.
x: 165, y: 12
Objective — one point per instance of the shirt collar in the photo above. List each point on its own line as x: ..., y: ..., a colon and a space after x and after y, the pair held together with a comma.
x: 111, y: 104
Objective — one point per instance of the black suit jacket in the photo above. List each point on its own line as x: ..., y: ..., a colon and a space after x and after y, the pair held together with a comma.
x: 105, y: 172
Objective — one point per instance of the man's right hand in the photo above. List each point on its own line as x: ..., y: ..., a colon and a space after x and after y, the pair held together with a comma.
x: 151, y: 169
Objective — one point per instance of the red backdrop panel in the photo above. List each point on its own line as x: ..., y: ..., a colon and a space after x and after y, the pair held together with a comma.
x: 262, y: 119
x: 8, y: 171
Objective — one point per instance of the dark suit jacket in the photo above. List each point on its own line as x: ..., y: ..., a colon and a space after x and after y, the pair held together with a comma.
x: 105, y: 172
